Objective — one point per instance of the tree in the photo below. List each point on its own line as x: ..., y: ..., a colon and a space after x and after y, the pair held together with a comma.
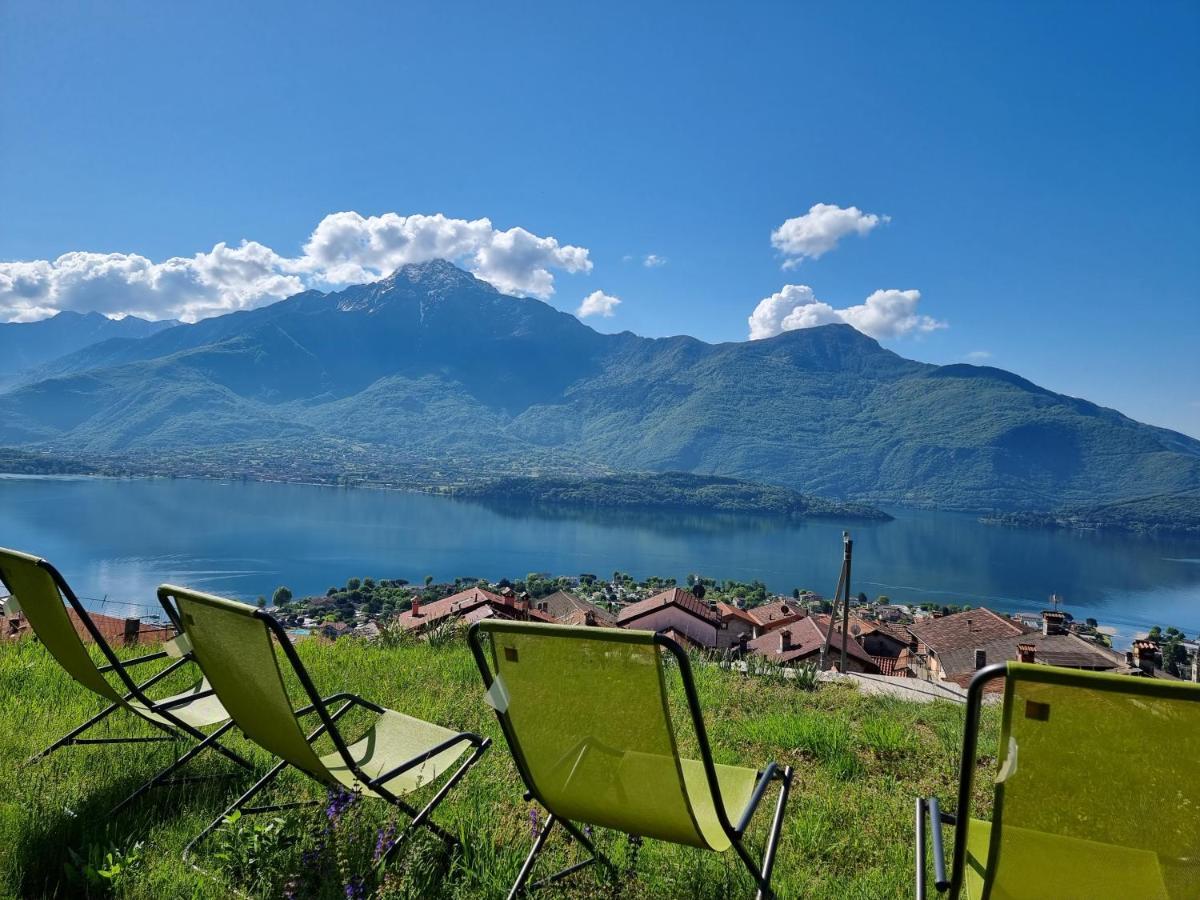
x: 795, y: 593
x: 1091, y: 623
x: 283, y: 596
x: 428, y: 580
x: 1155, y: 634
x: 353, y: 584
x: 262, y: 601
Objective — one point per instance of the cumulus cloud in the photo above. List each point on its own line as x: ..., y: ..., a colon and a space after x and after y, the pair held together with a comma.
x: 653, y: 261
x: 344, y: 248
x: 884, y: 314
x: 598, y: 303
x: 819, y: 230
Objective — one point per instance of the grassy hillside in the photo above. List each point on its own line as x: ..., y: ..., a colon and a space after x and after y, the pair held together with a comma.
x: 859, y: 760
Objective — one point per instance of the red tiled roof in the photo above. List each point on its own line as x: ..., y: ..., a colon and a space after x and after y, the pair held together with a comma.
x: 676, y: 597
x: 971, y: 628
x: 772, y: 615
x: 114, y: 629
x: 807, y: 638
x: 454, y: 605
x: 728, y: 611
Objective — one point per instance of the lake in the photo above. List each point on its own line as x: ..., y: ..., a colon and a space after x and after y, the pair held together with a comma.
x: 117, y: 539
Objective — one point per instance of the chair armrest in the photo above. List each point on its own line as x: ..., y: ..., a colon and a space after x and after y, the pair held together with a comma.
x: 125, y: 664
x: 930, y: 820
x: 354, y: 699
x: 768, y: 774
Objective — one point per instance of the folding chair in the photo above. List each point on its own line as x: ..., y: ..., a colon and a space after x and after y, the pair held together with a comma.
x: 397, y: 755
x: 40, y: 591
x: 1097, y: 793
x: 585, y: 714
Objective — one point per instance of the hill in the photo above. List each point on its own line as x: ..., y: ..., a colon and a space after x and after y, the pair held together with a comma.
x: 431, y: 376
x: 24, y: 346
x: 848, y: 830
x: 670, y: 490
x: 1162, y: 514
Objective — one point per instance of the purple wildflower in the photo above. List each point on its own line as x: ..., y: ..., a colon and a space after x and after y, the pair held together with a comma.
x: 339, y: 802
x: 356, y: 888
x: 384, y: 840
x: 533, y: 822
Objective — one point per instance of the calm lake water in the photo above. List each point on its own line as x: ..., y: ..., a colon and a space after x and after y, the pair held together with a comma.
x: 116, y: 540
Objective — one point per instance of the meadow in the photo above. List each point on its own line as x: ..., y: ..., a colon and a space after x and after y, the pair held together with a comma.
x: 860, y: 761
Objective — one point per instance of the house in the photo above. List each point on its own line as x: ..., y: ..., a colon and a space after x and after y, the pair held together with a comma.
x: 956, y: 634
x: 736, y: 623
x: 675, y: 609
x: 770, y: 616
x: 470, y: 605
x: 116, y: 630
x: 567, y: 609
x: 878, y: 638
x: 800, y: 643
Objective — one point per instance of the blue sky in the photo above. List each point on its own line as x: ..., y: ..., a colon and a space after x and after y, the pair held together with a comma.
x: 1033, y: 167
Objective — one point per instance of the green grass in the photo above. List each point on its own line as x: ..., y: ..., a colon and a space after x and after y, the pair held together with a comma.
x: 859, y: 763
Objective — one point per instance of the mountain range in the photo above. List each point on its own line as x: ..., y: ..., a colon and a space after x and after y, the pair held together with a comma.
x: 26, y: 345
x: 435, y: 372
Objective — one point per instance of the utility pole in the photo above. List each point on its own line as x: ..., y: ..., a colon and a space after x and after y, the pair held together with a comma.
x: 842, y: 592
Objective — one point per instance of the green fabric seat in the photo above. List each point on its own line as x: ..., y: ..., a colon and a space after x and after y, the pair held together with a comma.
x: 235, y: 645
x: 48, y: 603
x: 1097, y: 790
x: 392, y: 739
x: 1052, y: 867
x: 586, y: 715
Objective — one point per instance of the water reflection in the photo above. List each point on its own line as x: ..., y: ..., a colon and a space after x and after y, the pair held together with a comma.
x: 121, y: 538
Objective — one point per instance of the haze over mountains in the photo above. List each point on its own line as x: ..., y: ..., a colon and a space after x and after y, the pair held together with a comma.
x: 433, y: 365
x: 26, y: 345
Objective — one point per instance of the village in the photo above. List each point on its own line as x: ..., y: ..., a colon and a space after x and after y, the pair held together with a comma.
x: 733, y: 621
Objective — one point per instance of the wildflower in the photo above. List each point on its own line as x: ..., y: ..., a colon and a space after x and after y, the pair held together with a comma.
x: 356, y: 888
x: 384, y: 840
x: 533, y: 822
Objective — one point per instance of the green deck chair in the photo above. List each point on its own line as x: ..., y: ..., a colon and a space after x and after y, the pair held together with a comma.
x: 397, y: 755
x: 1097, y: 792
x: 585, y: 714
x: 43, y: 596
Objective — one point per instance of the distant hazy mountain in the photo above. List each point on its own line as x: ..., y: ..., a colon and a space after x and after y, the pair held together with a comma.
x: 26, y: 345
x: 434, y: 369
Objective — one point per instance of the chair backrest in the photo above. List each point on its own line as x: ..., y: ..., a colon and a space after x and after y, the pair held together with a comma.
x: 232, y: 643
x: 586, y: 717
x: 42, y: 594
x: 1097, y: 757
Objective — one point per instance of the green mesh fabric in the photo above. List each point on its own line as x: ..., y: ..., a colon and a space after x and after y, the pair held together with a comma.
x: 1098, y: 791
x: 197, y: 713
x: 586, y: 710
x: 393, y: 740
x: 43, y: 606
x: 235, y: 651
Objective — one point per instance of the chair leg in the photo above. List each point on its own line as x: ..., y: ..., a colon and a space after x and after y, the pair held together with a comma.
x: 235, y: 806
x: 209, y: 741
x: 420, y: 818
x: 762, y: 875
x: 539, y: 842
x: 70, y: 737
x: 776, y: 828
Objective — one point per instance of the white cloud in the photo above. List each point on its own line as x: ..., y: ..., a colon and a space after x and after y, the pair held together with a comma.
x: 653, y: 261
x: 979, y: 355
x: 344, y: 248
x: 818, y: 231
x: 884, y: 314
x: 598, y: 303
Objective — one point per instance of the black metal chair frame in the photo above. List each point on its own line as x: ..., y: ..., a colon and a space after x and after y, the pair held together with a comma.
x: 328, y: 725
x: 760, y: 873
x: 929, y: 816
x: 176, y: 730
